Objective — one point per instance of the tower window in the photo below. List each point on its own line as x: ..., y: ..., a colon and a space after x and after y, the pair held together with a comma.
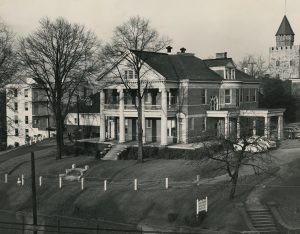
x: 277, y: 63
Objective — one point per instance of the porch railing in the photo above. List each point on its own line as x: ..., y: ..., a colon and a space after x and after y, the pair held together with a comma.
x: 111, y: 106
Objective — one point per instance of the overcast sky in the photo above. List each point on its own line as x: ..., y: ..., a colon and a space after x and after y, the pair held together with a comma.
x: 203, y: 27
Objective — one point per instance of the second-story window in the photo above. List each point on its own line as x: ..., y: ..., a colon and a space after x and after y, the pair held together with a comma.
x: 227, y: 96
x: 16, y: 106
x: 26, y: 106
x: 129, y: 74
x: 203, y: 97
x: 16, y: 119
x: 26, y: 119
x: 148, y: 98
x: 26, y: 92
x: 15, y: 93
x: 16, y: 132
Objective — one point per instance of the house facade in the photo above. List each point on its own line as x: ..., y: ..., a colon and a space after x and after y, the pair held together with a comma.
x: 185, y: 99
x: 28, y: 116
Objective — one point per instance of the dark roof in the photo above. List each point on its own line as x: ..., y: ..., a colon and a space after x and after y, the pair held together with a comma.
x: 178, y: 66
x: 218, y: 62
x: 285, y: 28
x: 242, y: 76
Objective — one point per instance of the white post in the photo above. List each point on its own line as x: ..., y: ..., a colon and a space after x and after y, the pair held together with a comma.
x: 73, y: 166
x: 267, y: 126
x: 206, y: 205
x: 60, y: 181
x: 226, y: 127
x: 198, y: 178
x: 167, y: 183
x: 40, y: 180
x: 82, y: 183
x: 22, y: 179
x: 135, y: 184
x: 105, y: 185
x: 5, y: 178
x: 197, y: 207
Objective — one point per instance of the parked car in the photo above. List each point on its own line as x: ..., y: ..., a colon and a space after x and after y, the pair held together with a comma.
x: 256, y: 144
x: 291, y: 132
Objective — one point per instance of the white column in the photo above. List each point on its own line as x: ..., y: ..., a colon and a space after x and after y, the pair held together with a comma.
x: 112, y: 129
x: 238, y: 127
x: 102, y: 116
x: 226, y: 127
x: 280, y: 127
x: 178, y: 129
x: 143, y: 119
x: 254, y: 127
x: 121, y: 117
x: 164, y: 117
x: 267, y: 126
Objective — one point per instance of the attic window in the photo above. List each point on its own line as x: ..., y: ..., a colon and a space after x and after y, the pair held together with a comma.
x: 129, y: 74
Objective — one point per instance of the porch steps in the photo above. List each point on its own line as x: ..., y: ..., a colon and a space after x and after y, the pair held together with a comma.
x: 262, y: 220
x: 114, y: 152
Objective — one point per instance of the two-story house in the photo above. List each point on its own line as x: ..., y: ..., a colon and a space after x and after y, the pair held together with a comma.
x: 185, y: 99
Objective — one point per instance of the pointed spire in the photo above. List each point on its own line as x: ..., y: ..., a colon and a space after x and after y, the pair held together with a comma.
x: 285, y: 27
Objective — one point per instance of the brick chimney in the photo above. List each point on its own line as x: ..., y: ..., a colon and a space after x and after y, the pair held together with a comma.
x: 222, y: 55
x: 169, y: 49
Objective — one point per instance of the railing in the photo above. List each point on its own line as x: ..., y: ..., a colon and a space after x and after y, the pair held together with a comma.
x: 130, y: 107
x: 111, y: 106
x: 152, y: 107
x: 172, y: 107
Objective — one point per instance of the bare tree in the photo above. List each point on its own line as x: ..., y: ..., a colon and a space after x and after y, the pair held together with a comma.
x: 255, y: 65
x: 134, y: 36
x: 59, y: 56
x: 238, y: 153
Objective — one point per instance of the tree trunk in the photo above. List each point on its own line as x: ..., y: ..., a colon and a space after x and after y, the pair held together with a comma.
x: 233, y: 186
x: 140, y: 129
x: 59, y: 132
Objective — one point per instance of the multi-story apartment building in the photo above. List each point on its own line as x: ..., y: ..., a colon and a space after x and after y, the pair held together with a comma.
x: 185, y: 99
x: 28, y: 117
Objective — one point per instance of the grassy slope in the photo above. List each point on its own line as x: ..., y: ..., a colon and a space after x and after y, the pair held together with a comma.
x: 151, y: 204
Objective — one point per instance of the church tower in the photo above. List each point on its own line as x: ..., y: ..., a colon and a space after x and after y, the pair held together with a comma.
x: 285, y: 34
x: 284, y: 59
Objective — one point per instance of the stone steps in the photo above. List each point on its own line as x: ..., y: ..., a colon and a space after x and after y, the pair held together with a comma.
x: 114, y: 152
x: 262, y: 220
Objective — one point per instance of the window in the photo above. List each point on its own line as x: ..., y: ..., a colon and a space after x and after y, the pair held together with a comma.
x: 16, y: 132
x: 15, y: 93
x: 26, y: 132
x: 148, y: 98
x: 26, y: 106
x: 129, y: 74
x: 16, y: 106
x: 253, y: 95
x: 247, y: 95
x: 203, y: 96
x: 75, y: 121
x: 277, y: 63
x: 16, y: 119
x: 192, y: 124
x: 291, y: 63
x: 35, y: 95
x: 26, y: 119
x: 227, y: 96
x: 26, y: 92
x: 148, y: 123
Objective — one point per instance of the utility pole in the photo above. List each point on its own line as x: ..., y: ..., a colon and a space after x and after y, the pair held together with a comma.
x: 33, y: 188
x: 78, y: 123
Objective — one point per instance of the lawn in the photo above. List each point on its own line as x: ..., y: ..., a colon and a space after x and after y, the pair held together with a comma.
x: 151, y: 204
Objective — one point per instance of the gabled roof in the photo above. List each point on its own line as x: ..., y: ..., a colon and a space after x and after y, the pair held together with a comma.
x: 285, y: 28
x: 242, y: 76
x: 178, y: 66
x: 219, y: 62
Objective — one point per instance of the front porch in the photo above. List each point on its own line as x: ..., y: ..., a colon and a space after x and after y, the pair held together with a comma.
x: 237, y: 123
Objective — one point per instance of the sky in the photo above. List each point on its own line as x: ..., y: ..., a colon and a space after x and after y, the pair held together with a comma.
x: 203, y: 27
